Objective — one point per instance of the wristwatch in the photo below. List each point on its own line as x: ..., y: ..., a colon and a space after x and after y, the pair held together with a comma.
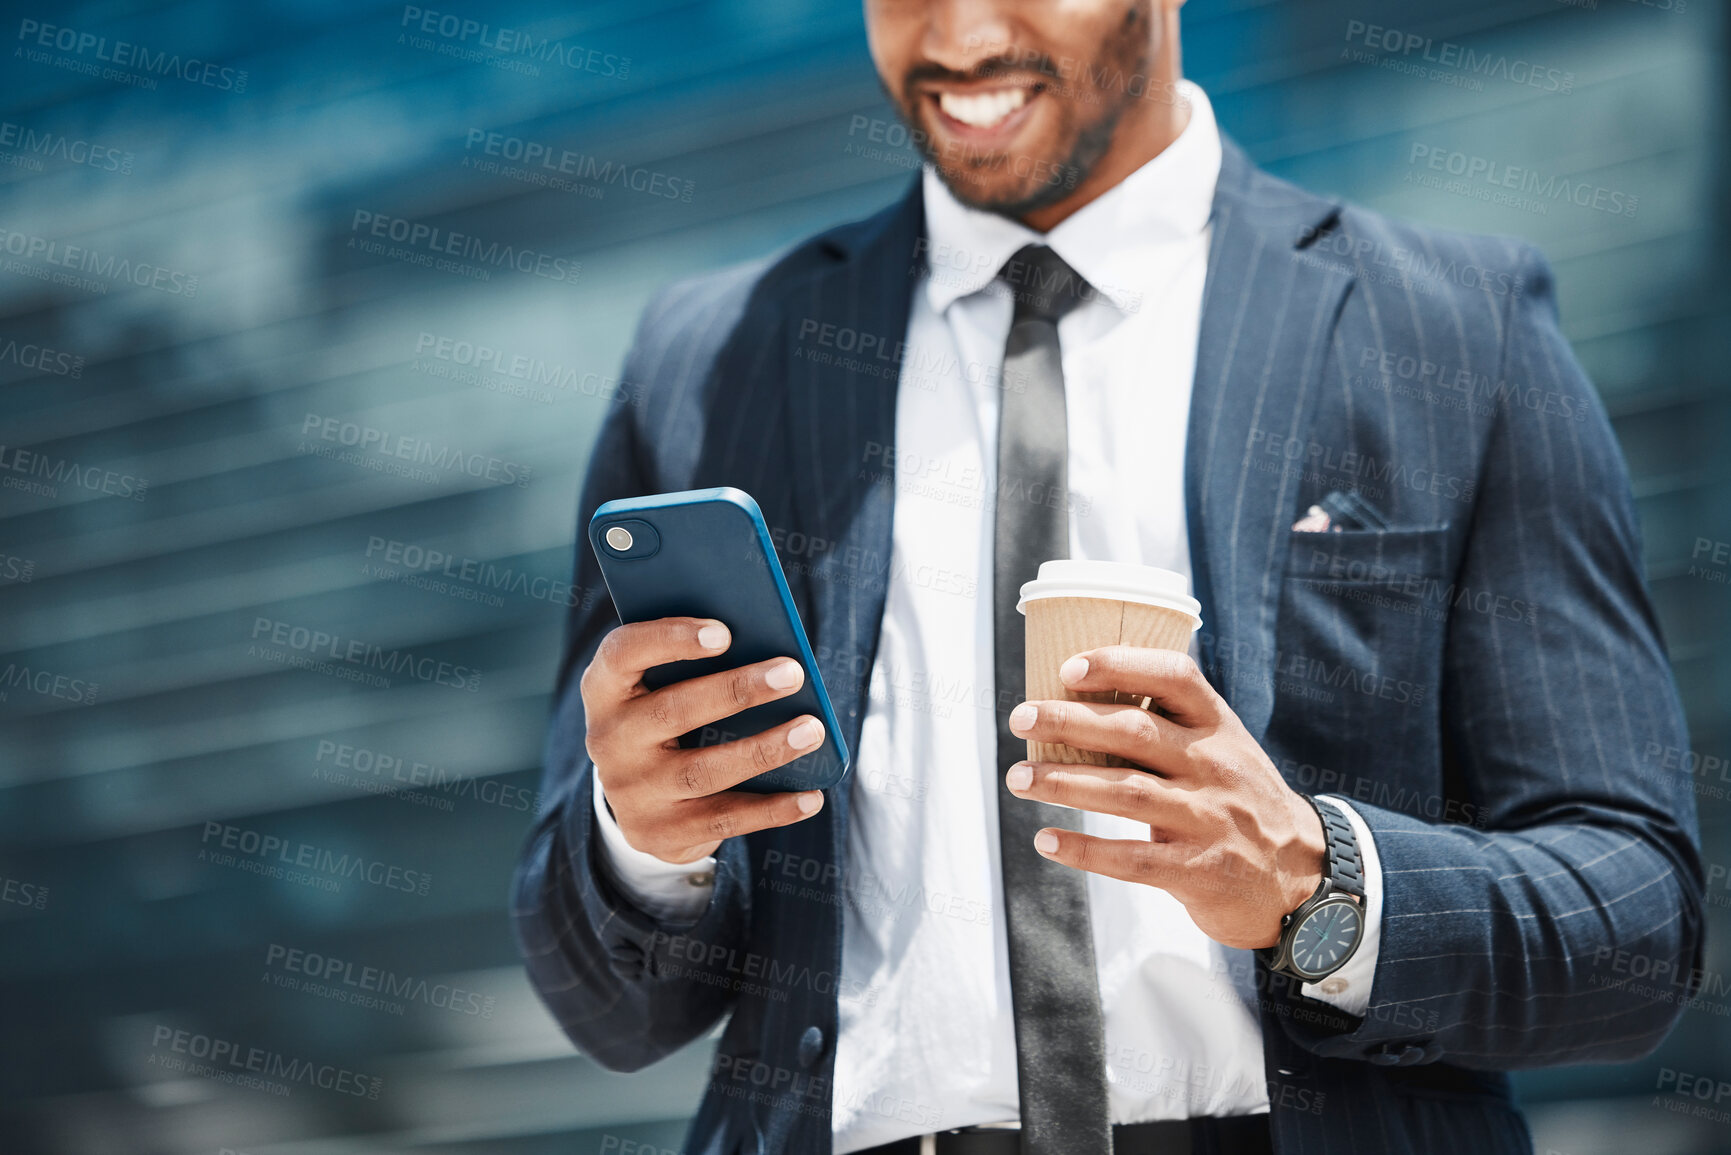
x: 1320, y: 936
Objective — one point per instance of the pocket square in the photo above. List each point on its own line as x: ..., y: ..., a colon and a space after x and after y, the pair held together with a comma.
x: 1340, y: 511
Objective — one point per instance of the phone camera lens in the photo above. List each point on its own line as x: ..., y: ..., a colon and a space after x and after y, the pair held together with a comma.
x: 619, y: 538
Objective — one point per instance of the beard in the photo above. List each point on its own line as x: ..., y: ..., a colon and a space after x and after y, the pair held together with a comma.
x: 1090, y: 106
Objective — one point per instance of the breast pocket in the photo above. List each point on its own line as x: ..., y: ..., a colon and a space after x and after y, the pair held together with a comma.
x: 1359, y: 641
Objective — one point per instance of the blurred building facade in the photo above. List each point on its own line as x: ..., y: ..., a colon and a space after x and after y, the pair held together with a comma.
x: 308, y: 315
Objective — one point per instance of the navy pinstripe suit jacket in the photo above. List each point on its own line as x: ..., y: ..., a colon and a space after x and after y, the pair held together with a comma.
x: 1484, y: 677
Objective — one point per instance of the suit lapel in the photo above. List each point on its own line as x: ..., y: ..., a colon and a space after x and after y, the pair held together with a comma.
x: 844, y: 328
x: 1268, y: 314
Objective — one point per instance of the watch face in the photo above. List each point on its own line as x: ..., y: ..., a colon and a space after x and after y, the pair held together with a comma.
x: 1326, y: 937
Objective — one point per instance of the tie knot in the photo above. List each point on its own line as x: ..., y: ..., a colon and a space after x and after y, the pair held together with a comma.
x: 1043, y: 286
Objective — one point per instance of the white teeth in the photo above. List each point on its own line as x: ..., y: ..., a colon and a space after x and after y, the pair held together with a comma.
x: 985, y: 109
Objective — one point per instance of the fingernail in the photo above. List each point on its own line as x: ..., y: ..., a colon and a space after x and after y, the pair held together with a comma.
x: 1020, y: 777
x: 712, y: 637
x: 783, y: 676
x: 807, y: 733
x: 810, y: 801
x: 1046, y: 842
x: 1074, y: 670
x: 1022, y: 717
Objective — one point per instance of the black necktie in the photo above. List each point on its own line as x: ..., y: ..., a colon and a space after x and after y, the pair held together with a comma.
x: 1054, y: 991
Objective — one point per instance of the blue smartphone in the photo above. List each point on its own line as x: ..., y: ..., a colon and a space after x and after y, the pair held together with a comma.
x: 706, y: 553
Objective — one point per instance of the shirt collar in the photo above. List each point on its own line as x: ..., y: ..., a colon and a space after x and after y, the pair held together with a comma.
x: 1170, y: 198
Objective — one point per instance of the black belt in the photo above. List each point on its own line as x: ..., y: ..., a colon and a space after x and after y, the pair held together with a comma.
x: 1209, y: 1135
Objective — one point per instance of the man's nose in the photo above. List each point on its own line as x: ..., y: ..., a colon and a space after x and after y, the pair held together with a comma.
x: 960, y: 34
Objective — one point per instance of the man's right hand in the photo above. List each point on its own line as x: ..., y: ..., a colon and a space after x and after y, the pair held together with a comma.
x: 674, y: 803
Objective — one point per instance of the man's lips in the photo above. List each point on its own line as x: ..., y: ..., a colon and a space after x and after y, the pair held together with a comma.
x: 984, y: 112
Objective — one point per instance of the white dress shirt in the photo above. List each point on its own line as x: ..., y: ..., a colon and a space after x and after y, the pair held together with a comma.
x: 927, y: 1041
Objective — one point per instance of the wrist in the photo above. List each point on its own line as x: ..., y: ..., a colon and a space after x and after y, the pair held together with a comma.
x: 1320, y: 935
x: 1305, y: 860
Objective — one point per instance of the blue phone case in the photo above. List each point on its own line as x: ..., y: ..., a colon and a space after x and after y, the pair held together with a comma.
x: 707, y: 553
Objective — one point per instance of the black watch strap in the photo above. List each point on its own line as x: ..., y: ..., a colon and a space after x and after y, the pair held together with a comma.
x: 1344, y: 868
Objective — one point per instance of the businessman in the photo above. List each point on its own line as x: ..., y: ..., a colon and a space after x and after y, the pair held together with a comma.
x: 1383, y: 832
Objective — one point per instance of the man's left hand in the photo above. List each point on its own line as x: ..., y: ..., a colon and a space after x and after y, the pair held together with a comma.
x: 1229, y: 839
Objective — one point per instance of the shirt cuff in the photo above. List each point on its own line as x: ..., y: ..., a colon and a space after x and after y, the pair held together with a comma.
x: 1349, y: 987
x: 668, y: 891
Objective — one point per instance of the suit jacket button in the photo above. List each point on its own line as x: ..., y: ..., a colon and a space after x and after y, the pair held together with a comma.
x: 810, y: 1046
x: 1383, y: 1058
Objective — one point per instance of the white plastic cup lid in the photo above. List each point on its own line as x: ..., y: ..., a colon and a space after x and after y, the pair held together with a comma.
x: 1115, y: 580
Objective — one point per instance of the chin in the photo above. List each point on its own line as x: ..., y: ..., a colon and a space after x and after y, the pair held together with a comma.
x: 993, y: 183
x: 1012, y: 197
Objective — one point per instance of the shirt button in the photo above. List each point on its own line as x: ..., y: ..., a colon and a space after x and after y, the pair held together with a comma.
x: 701, y: 878
x: 1333, y: 986
x: 810, y: 1046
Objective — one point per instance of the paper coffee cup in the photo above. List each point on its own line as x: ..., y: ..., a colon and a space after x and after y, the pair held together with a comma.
x: 1078, y: 605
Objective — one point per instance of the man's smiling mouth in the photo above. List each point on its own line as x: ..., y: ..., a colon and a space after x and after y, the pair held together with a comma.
x: 983, y: 109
